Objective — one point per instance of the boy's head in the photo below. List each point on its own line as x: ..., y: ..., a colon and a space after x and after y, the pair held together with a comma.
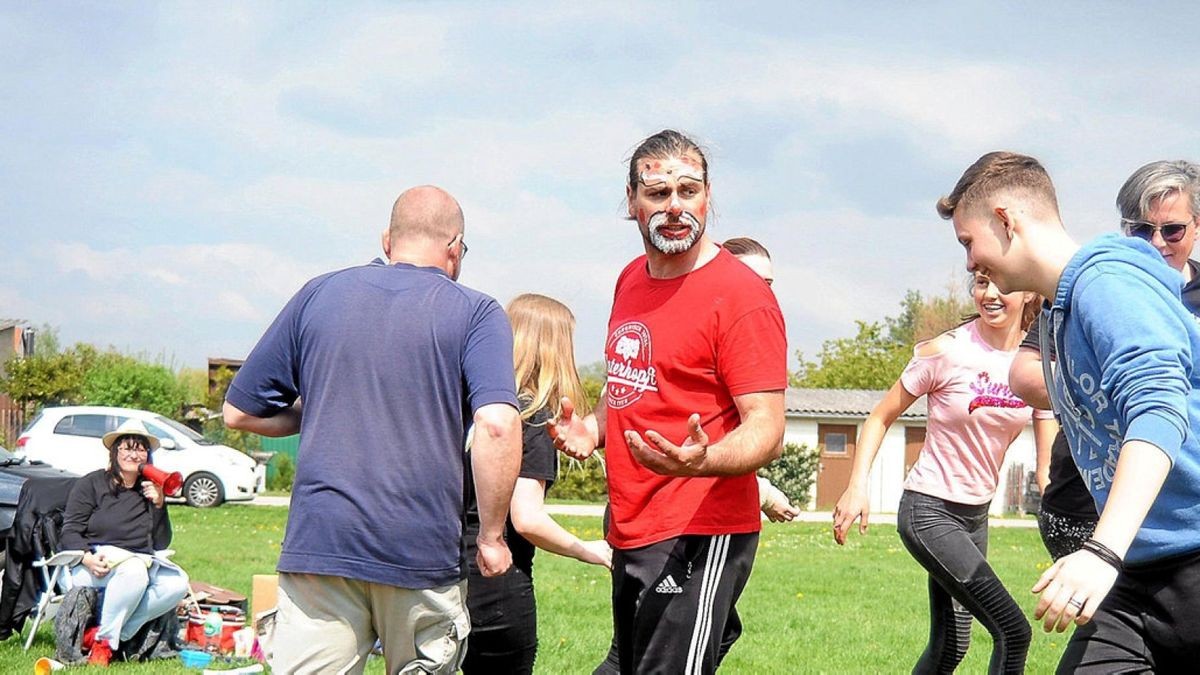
x: 997, y: 191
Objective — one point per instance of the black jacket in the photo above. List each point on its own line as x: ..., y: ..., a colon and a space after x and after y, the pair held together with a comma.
x: 35, y: 534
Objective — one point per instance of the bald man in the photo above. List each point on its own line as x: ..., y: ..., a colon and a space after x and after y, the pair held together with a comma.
x: 393, y: 360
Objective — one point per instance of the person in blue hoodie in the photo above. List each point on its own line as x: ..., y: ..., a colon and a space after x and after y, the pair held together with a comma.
x: 1127, y: 388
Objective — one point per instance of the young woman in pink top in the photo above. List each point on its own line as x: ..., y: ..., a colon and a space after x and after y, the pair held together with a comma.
x: 973, y: 417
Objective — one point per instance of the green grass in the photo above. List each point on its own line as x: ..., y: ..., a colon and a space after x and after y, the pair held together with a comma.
x: 810, y: 606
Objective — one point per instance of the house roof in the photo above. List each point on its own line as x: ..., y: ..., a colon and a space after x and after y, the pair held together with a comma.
x: 5, y: 324
x: 856, y: 403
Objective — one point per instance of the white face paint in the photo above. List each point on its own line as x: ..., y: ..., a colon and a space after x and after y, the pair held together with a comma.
x: 660, y: 231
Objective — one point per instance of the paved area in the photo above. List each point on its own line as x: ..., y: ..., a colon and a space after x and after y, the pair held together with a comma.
x: 597, y: 510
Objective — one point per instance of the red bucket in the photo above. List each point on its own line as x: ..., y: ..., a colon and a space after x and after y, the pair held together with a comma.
x: 232, y: 619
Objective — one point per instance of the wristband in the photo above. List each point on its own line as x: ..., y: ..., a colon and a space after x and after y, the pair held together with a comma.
x: 1104, y: 553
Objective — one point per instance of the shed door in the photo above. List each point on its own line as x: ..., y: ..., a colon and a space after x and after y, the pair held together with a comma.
x: 836, y: 443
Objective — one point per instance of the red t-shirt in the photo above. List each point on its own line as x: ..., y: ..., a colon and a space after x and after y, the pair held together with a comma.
x: 676, y: 347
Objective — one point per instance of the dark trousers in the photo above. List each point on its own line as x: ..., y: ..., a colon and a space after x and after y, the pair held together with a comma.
x: 1148, y: 623
x: 611, y: 665
x: 950, y: 541
x: 673, y: 602
x: 503, y: 624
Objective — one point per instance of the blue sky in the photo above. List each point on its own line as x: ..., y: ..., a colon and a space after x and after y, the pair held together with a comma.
x: 172, y: 173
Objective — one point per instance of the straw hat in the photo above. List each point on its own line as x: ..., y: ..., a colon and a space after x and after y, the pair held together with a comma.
x: 130, y: 427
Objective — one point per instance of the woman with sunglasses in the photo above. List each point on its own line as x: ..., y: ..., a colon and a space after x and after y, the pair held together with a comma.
x: 503, y: 611
x: 943, y: 515
x: 120, y: 521
x: 1160, y: 203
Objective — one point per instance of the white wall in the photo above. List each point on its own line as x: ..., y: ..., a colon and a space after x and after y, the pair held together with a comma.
x: 887, y: 474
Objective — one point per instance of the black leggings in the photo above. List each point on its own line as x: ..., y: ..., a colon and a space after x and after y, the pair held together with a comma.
x: 950, y: 542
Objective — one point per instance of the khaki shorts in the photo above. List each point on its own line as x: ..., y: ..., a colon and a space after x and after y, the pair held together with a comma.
x: 329, y: 625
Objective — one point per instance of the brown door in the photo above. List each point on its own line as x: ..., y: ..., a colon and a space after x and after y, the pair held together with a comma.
x: 914, y: 440
x: 836, y: 443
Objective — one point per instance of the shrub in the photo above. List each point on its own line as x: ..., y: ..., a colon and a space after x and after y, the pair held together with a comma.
x: 124, y: 381
x: 794, y: 472
x: 285, y: 473
x: 581, y: 480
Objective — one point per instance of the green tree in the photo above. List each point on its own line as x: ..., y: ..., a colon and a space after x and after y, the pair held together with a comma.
x: 215, y: 429
x: 592, y: 377
x: 127, y: 382
x: 43, y: 379
x: 869, y: 360
x: 46, y: 340
x: 194, y: 383
x: 876, y: 355
x: 794, y: 472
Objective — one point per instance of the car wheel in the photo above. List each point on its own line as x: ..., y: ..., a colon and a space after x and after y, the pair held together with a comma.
x: 203, y: 490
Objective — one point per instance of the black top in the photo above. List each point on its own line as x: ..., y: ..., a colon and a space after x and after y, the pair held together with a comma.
x: 97, y: 515
x: 1191, y: 290
x: 1066, y: 494
x: 539, y: 461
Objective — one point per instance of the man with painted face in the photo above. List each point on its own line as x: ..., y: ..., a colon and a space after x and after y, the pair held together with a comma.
x: 693, y: 405
x: 1127, y: 391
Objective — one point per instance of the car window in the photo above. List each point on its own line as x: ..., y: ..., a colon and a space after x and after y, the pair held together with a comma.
x: 183, y: 429
x: 36, y: 418
x: 158, y: 431
x: 93, y: 426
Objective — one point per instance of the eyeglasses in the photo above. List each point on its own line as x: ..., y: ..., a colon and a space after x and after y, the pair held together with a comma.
x: 459, y: 238
x: 1172, y: 233
x: 133, y: 451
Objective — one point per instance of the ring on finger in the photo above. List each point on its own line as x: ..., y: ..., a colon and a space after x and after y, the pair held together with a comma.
x: 1076, y: 603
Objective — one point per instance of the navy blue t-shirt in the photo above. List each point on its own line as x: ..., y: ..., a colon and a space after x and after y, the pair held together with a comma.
x: 391, y: 363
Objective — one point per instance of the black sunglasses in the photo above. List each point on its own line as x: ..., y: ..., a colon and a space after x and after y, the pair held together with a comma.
x: 461, y: 242
x: 1172, y: 233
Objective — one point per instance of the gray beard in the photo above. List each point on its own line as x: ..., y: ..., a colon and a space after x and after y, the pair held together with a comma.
x: 673, y: 246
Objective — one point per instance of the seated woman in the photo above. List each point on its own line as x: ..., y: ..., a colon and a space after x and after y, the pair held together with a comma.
x: 120, y: 521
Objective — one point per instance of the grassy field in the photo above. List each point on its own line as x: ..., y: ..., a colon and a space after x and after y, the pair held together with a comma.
x: 810, y: 607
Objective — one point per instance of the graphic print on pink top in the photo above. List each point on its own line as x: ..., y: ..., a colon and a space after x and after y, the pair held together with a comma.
x: 992, y: 395
x: 973, y: 417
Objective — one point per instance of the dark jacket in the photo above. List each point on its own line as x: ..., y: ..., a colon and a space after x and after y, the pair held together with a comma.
x: 35, y: 534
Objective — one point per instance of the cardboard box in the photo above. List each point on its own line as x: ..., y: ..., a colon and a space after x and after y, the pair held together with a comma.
x: 265, y: 593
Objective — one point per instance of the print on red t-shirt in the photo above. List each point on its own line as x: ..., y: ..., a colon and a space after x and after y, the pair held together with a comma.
x: 676, y: 347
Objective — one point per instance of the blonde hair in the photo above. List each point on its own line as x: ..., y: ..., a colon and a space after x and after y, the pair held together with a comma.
x: 544, y: 355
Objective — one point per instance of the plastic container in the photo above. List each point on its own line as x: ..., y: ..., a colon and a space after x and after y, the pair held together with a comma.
x: 231, y: 619
x: 192, y: 658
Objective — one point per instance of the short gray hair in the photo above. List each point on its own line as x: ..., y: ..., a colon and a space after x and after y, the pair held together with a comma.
x: 1155, y: 181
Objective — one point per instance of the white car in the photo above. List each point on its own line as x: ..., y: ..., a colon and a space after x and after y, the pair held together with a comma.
x: 69, y: 438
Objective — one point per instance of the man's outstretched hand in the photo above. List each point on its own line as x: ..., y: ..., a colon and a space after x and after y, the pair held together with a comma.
x: 571, y: 434
x: 664, y: 457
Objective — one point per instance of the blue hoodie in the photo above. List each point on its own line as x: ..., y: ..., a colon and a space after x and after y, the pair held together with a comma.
x: 1128, y: 370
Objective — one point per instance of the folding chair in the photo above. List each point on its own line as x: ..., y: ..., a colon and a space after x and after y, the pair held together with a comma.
x: 54, y: 592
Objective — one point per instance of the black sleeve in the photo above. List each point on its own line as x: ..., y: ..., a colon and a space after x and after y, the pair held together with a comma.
x: 539, y: 459
x: 1032, y: 341
x: 81, y: 504
x: 162, y: 527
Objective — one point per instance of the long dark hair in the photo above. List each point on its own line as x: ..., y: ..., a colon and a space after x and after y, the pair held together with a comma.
x: 115, y: 483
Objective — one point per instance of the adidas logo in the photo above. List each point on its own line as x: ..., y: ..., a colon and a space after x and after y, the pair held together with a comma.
x: 668, y: 585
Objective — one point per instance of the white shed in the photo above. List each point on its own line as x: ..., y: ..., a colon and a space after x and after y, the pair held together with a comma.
x: 831, y: 419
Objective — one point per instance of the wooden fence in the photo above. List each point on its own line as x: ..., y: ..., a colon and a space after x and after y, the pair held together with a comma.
x: 12, y: 421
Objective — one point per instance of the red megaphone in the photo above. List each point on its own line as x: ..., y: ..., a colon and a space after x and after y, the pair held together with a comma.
x: 171, y: 483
